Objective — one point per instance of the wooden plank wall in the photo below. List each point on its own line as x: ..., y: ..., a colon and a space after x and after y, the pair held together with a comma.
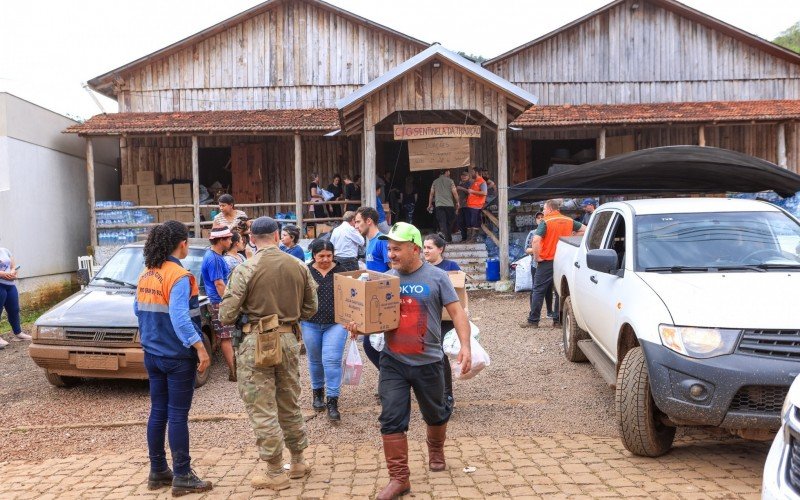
x: 648, y: 54
x: 295, y: 55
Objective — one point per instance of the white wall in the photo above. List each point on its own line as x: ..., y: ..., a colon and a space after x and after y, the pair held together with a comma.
x: 44, y: 213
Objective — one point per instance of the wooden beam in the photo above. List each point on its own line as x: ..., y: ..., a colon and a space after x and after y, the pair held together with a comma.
x: 491, y: 235
x: 701, y: 135
x: 90, y: 193
x: 196, y: 186
x: 601, y: 144
x: 782, y: 145
x: 502, y: 184
x: 369, y: 177
x: 298, y: 181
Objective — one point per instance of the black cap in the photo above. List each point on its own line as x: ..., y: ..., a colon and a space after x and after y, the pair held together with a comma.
x: 263, y: 225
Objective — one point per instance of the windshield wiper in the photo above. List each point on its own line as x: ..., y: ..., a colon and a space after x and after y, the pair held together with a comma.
x: 778, y: 266
x: 743, y: 267
x: 116, y: 282
x: 678, y: 269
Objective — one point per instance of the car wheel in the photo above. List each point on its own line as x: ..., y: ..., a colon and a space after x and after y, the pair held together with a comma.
x: 61, y: 381
x: 572, y: 334
x: 201, y: 378
x: 643, y: 433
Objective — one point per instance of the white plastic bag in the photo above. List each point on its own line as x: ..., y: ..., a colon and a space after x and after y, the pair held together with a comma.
x: 377, y: 341
x: 523, y: 280
x: 326, y: 195
x: 451, y: 343
x: 351, y: 371
x: 480, y: 360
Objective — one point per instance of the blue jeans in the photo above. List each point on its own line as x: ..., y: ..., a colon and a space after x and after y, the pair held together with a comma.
x: 171, y: 390
x: 9, y: 300
x: 325, y: 347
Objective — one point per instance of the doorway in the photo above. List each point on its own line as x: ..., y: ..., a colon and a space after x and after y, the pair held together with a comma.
x: 394, y: 156
x: 550, y: 157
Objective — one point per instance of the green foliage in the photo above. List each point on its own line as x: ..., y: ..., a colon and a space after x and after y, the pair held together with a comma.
x: 472, y: 57
x: 790, y: 38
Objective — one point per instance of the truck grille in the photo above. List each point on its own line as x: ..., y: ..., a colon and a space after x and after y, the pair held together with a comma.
x: 773, y: 343
x: 114, y: 336
x: 761, y: 399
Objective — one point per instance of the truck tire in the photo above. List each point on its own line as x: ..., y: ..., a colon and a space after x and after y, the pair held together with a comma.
x: 61, y: 381
x: 572, y: 334
x: 201, y: 378
x: 641, y: 429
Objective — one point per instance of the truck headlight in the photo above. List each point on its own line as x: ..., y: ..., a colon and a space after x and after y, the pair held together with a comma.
x: 49, y: 333
x: 698, y: 342
x: 792, y: 398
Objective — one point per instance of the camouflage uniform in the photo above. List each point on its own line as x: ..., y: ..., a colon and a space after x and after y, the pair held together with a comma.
x: 271, y: 282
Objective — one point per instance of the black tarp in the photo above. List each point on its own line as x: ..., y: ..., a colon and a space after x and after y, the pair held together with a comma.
x: 669, y: 169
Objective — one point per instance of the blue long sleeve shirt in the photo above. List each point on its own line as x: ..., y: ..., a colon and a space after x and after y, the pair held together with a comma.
x: 182, y: 323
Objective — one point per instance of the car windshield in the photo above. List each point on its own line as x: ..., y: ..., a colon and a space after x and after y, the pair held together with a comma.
x: 698, y: 242
x: 124, y: 268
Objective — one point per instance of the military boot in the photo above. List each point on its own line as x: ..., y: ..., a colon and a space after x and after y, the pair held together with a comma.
x: 190, y: 483
x: 158, y: 480
x: 333, y: 409
x: 275, y: 479
x: 299, y: 468
x: 319, y: 399
x: 395, y: 449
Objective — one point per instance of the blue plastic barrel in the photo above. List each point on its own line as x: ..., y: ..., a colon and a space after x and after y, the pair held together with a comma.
x: 493, y: 270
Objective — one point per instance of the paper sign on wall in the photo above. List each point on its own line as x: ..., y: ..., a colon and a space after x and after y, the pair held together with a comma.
x: 433, y: 154
x: 435, y: 130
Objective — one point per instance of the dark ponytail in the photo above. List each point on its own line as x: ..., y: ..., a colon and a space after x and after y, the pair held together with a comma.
x: 162, y: 241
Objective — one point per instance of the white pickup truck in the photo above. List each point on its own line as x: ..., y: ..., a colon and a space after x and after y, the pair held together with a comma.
x: 689, y: 308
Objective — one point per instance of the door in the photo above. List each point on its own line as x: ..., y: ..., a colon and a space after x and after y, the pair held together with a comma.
x: 247, y: 181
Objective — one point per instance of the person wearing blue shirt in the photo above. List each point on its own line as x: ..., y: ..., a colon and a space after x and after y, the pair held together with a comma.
x: 290, y: 236
x: 215, y: 273
x: 383, y: 226
x: 376, y: 258
x: 167, y: 307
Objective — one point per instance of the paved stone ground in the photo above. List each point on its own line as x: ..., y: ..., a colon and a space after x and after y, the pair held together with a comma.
x: 555, y: 466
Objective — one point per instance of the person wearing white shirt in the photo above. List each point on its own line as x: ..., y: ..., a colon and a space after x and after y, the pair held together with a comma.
x: 346, y: 241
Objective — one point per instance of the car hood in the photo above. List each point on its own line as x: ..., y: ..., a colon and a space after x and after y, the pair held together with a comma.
x: 729, y: 300
x: 93, y: 307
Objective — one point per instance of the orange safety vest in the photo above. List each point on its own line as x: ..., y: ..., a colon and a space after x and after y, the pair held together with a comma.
x: 476, y: 200
x: 558, y: 225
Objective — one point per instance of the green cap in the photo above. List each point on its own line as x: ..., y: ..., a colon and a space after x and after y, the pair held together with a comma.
x: 403, y: 231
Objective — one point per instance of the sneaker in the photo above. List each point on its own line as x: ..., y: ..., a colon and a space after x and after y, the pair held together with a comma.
x: 3, y: 343
x: 528, y: 324
x: 20, y: 337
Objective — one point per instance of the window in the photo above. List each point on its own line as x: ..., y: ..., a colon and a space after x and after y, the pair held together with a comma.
x: 616, y: 241
x: 594, y: 239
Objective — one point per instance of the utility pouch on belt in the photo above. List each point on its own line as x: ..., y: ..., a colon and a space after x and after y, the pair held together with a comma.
x: 268, y: 342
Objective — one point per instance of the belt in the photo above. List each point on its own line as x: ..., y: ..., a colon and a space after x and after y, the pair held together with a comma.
x: 282, y: 328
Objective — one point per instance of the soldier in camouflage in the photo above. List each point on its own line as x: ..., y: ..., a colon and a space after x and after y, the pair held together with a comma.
x: 272, y: 282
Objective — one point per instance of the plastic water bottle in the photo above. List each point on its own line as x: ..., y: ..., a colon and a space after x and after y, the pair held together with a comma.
x: 363, y: 277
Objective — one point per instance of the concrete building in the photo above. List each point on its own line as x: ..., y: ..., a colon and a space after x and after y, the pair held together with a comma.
x: 43, y: 193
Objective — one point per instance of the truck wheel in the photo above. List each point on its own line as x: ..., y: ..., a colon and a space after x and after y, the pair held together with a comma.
x: 572, y: 334
x: 60, y: 381
x: 641, y: 429
x: 201, y: 378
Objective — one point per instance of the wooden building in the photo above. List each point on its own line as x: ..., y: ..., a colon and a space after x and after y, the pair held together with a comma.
x: 291, y: 87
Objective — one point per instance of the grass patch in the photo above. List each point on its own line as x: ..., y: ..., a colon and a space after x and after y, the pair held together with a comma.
x: 27, y: 318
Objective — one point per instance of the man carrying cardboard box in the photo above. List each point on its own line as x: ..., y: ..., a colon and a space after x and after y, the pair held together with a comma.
x: 413, y: 359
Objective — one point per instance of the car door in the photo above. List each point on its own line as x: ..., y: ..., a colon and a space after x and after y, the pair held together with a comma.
x: 582, y: 298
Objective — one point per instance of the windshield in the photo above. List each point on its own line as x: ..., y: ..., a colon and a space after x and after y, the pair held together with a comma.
x: 124, y: 268
x: 717, y: 241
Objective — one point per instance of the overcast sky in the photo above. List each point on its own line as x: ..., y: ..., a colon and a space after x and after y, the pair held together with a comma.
x: 48, y: 48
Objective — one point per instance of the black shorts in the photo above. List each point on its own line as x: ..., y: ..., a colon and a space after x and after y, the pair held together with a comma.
x: 397, y: 379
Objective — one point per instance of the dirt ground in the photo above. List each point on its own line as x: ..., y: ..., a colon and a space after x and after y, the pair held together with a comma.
x: 529, y: 389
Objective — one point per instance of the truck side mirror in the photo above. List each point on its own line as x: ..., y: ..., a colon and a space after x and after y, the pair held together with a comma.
x: 83, y: 277
x: 603, y: 260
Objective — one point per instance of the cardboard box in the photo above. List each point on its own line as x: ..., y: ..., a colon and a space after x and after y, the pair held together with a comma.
x: 146, y: 178
x: 184, y: 214
x: 147, y: 195
x: 165, y: 214
x: 374, y: 305
x: 182, y: 190
x: 129, y: 192
x: 205, y: 233
x: 323, y: 228
x: 165, y: 195
x: 182, y: 200
x: 459, y: 281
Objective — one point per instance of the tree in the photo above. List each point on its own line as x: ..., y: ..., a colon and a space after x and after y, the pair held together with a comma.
x: 790, y: 38
x: 472, y: 57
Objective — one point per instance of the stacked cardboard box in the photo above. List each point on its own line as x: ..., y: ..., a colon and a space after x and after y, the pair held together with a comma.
x: 165, y: 195
x: 183, y: 194
x: 129, y: 192
x: 147, y: 195
x: 165, y: 214
x: 184, y: 214
x: 146, y: 178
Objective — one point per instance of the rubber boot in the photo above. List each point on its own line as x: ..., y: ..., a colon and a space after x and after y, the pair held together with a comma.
x: 275, y: 479
x: 319, y: 399
x: 298, y: 468
x: 395, y: 449
x: 333, y: 409
x: 436, y: 437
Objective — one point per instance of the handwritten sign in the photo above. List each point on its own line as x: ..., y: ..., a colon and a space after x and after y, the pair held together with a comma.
x: 435, y: 130
x: 432, y: 154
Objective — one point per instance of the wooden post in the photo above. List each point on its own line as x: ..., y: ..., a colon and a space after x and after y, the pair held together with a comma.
x: 298, y: 181
x: 502, y: 185
x: 369, y: 180
x: 196, y: 187
x: 90, y: 193
x: 601, y: 144
x: 782, y: 145
x: 701, y: 135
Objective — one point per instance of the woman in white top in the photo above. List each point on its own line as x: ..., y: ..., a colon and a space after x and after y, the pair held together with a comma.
x: 228, y: 215
x: 9, y: 297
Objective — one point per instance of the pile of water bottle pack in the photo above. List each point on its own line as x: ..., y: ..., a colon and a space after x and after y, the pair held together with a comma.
x: 109, y: 237
x: 791, y: 203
